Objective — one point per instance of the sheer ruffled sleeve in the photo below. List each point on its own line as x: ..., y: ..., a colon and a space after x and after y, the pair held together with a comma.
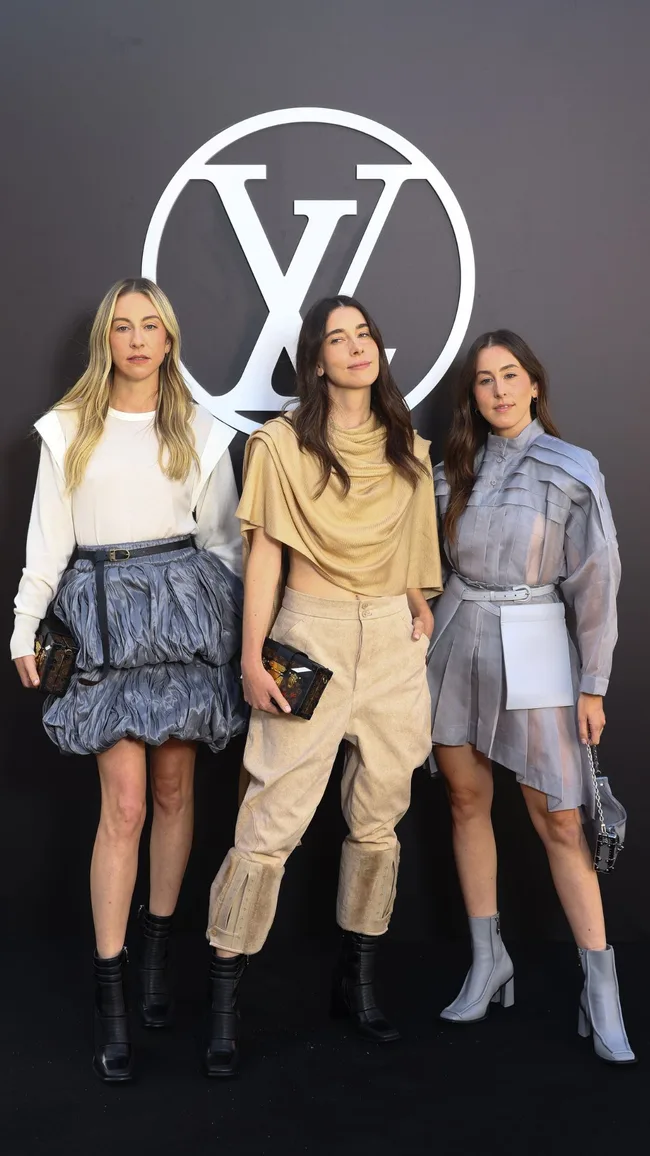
x: 591, y: 585
x: 441, y: 490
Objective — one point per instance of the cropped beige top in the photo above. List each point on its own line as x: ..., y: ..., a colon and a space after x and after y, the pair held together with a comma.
x: 378, y: 539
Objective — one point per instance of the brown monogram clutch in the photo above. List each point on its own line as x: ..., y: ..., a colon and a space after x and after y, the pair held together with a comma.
x: 301, y: 680
x: 56, y: 656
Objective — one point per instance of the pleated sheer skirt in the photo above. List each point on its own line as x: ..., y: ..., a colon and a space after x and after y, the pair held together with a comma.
x: 468, y: 694
x: 175, y: 637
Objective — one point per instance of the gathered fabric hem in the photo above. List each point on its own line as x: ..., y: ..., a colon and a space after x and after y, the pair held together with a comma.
x: 174, y: 624
x: 193, y: 702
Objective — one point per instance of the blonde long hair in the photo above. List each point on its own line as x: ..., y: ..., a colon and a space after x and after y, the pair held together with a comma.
x: 89, y: 397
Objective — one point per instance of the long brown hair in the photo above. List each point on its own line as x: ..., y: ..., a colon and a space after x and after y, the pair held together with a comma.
x: 90, y: 395
x: 469, y: 429
x: 310, y: 418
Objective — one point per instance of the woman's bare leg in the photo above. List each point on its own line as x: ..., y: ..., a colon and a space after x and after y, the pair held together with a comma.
x: 172, y: 787
x: 575, y: 880
x: 122, y: 775
x: 468, y: 775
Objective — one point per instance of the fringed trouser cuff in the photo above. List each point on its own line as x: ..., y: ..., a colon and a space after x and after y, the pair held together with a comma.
x: 243, y: 899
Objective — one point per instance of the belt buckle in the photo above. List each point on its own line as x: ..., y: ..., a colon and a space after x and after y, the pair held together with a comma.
x: 522, y: 593
x: 119, y: 555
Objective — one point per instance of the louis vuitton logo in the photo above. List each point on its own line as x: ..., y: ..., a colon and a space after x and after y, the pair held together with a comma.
x: 284, y: 293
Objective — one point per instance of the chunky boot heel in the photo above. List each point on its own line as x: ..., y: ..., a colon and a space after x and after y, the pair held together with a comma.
x: 113, y: 1058
x: 353, y: 995
x: 506, y: 994
x: 584, y: 1027
x: 155, y: 1002
x: 600, y: 1008
x: 222, y: 1056
x: 490, y: 979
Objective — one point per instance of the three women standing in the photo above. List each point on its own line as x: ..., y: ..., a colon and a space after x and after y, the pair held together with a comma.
x: 133, y: 477
x: 339, y: 521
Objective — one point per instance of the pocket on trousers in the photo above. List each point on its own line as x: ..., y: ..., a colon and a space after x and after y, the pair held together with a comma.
x: 420, y: 644
x: 285, y: 626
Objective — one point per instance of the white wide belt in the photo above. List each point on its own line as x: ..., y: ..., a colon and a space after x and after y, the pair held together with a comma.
x: 521, y: 593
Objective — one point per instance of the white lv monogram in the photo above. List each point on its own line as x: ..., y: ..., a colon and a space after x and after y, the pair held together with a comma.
x: 285, y: 293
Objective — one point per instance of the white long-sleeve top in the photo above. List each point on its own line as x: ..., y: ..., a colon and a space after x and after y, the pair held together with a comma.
x: 124, y: 497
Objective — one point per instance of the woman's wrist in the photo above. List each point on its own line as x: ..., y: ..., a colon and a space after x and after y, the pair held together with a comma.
x: 251, y: 657
x: 418, y: 604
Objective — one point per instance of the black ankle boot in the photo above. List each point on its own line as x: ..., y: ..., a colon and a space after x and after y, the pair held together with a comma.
x: 353, y: 994
x: 222, y: 1055
x: 113, y: 1059
x: 155, y: 1002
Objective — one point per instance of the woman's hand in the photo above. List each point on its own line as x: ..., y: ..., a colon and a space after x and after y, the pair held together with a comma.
x: 422, y: 624
x: 261, y: 691
x: 420, y: 614
x: 26, y: 668
x: 591, y: 718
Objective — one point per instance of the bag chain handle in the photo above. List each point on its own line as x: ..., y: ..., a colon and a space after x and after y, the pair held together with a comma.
x: 595, y: 771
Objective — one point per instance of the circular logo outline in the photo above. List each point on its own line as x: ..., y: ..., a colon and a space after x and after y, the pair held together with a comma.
x: 367, y: 127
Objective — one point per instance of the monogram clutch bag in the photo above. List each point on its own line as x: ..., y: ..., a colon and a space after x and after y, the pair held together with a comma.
x: 55, y: 651
x: 301, y: 680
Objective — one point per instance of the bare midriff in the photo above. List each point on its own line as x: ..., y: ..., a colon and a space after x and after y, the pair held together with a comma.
x: 306, y: 579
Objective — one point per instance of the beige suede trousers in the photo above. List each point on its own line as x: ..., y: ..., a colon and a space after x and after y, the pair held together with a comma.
x: 379, y: 702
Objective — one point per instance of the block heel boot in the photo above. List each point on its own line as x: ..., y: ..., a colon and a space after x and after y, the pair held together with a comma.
x: 155, y: 997
x: 599, y: 1014
x: 353, y: 994
x: 490, y: 979
x: 222, y: 1055
x: 113, y: 1058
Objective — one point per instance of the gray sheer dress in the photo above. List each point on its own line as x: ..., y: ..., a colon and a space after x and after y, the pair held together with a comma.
x: 538, y: 514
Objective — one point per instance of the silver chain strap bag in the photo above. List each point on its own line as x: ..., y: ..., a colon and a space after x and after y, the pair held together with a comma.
x: 608, y: 827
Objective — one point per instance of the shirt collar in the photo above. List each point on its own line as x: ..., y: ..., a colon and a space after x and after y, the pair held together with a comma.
x: 514, y: 445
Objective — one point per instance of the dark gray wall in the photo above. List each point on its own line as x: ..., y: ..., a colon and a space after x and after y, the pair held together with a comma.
x: 536, y: 113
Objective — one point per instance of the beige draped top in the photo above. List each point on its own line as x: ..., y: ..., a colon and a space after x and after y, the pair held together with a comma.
x: 378, y: 539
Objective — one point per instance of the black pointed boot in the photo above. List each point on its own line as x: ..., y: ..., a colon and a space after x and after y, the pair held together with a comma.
x: 155, y: 1001
x: 222, y: 1055
x: 353, y: 995
x: 113, y: 1059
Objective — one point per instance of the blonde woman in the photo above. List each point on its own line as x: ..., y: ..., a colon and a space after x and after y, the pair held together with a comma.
x: 137, y: 479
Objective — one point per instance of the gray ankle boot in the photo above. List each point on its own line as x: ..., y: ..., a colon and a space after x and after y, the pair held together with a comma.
x: 489, y: 979
x: 600, y: 1007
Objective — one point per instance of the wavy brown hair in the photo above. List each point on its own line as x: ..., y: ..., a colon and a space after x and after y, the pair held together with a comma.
x: 310, y: 418
x: 469, y: 429
x: 89, y: 397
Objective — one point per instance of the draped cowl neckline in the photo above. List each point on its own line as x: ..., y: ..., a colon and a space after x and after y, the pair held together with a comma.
x: 378, y: 538
x: 361, y: 450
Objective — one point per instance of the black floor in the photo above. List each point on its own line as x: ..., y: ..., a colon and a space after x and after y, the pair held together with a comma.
x: 521, y: 1082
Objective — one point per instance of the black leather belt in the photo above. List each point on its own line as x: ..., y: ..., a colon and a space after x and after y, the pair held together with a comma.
x: 104, y: 556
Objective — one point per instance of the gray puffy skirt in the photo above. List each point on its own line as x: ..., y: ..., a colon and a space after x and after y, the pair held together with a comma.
x: 175, y: 636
